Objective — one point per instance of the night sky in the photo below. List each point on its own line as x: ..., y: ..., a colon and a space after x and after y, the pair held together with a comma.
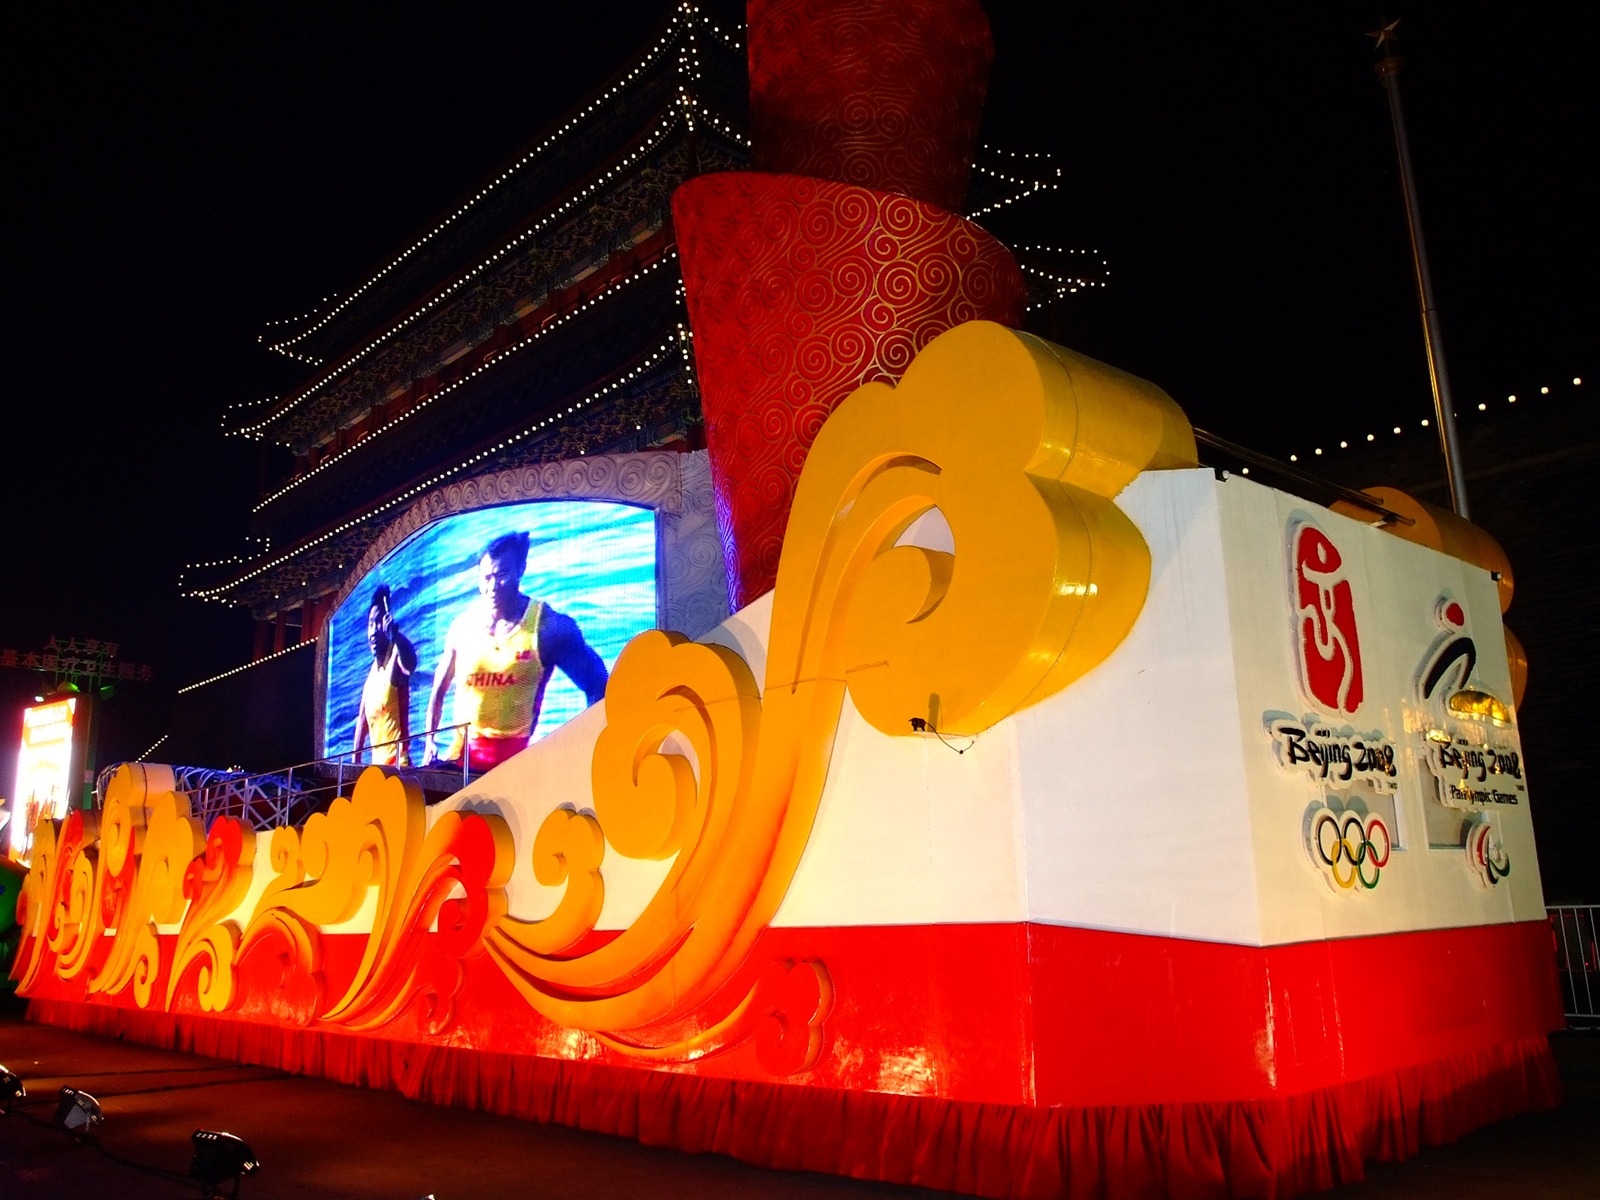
x: 180, y: 180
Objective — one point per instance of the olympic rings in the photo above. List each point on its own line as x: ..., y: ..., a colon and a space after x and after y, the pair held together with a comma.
x: 1363, y: 843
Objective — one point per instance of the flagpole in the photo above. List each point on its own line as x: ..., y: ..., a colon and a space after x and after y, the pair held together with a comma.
x: 1388, y: 70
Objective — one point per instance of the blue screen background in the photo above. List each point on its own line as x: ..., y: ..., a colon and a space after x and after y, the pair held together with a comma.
x: 593, y: 560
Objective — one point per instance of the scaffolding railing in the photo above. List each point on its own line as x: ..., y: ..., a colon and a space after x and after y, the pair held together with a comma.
x: 1574, y: 928
x: 288, y: 796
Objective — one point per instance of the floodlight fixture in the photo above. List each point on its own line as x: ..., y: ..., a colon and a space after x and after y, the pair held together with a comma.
x: 78, y: 1113
x: 12, y: 1089
x: 220, y: 1158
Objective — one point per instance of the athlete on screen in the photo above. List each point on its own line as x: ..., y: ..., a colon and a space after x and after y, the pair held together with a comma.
x: 499, y: 655
x: 385, y: 713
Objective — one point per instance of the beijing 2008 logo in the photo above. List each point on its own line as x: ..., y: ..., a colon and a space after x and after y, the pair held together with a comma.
x: 1325, y: 620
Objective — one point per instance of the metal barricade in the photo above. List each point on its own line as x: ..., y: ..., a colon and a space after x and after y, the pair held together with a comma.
x: 1574, y: 928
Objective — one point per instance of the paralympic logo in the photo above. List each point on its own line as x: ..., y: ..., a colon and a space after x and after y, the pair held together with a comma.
x: 1470, y: 751
x: 1352, y: 848
x: 1486, y: 854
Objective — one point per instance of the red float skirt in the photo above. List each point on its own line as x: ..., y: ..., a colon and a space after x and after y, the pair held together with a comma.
x: 1016, y: 1060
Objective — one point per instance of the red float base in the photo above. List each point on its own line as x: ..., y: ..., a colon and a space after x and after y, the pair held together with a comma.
x: 1282, y: 1146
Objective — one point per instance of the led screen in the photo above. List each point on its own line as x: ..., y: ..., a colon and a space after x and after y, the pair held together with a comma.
x: 44, y: 770
x: 505, y: 648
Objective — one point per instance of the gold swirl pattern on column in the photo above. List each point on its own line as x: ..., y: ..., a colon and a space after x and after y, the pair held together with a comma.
x: 146, y: 830
x: 1022, y: 446
x: 215, y: 884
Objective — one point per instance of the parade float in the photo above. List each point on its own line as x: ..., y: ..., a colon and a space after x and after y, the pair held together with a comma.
x: 1051, y: 815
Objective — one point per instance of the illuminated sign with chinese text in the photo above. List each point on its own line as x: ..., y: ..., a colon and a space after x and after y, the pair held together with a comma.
x: 44, y: 770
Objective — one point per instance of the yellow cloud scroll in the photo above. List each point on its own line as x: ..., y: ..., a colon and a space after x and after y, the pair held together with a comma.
x: 1022, y: 447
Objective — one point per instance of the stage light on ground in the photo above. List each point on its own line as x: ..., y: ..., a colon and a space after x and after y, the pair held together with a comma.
x: 219, y: 1158
x: 12, y: 1089
x: 77, y: 1112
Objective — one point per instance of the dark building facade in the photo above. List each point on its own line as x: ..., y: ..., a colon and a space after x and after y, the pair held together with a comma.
x: 541, y: 320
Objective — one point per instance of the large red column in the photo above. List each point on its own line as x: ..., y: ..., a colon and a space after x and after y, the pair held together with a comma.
x: 839, y: 259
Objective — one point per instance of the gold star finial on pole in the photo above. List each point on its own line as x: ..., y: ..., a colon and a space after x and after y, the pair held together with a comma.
x: 1384, y: 37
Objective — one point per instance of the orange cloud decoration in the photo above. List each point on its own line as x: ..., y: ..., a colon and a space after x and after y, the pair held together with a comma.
x: 1046, y: 578
x: 215, y: 885
x: 375, y: 845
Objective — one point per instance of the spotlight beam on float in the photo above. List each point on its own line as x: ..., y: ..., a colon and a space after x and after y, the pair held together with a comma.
x: 1388, y: 70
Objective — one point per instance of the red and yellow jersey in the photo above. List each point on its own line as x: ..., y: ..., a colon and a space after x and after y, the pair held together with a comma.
x: 380, y: 703
x: 499, y: 678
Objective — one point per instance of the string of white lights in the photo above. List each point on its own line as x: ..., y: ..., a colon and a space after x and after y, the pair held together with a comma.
x: 993, y: 174
x: 154, y: 746
x: 651, y: 360
x: 725, y: 128
x: 1029, y: 186
x: 1009, y: 200
x: 189, y: 687
x: 676, y: 25
x: 237, y: 404
x: 686, y: 107
x: 1344, y: 443
x: 233, y: 560
x: 1060, y: 250
x: 1032, y: 154
x: 305, y: 316
x: 555, y: 323
x: 729, y: 40
x: 309, y: 360
x: 651, y: 140
x: 1064, y: 285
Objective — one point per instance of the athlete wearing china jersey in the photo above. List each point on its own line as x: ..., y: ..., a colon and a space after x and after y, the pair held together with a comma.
x: 499, y: 655
x: 500, y: 682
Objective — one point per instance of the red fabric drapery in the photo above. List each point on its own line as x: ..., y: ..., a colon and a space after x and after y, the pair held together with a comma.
x: 1263, y: 1148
